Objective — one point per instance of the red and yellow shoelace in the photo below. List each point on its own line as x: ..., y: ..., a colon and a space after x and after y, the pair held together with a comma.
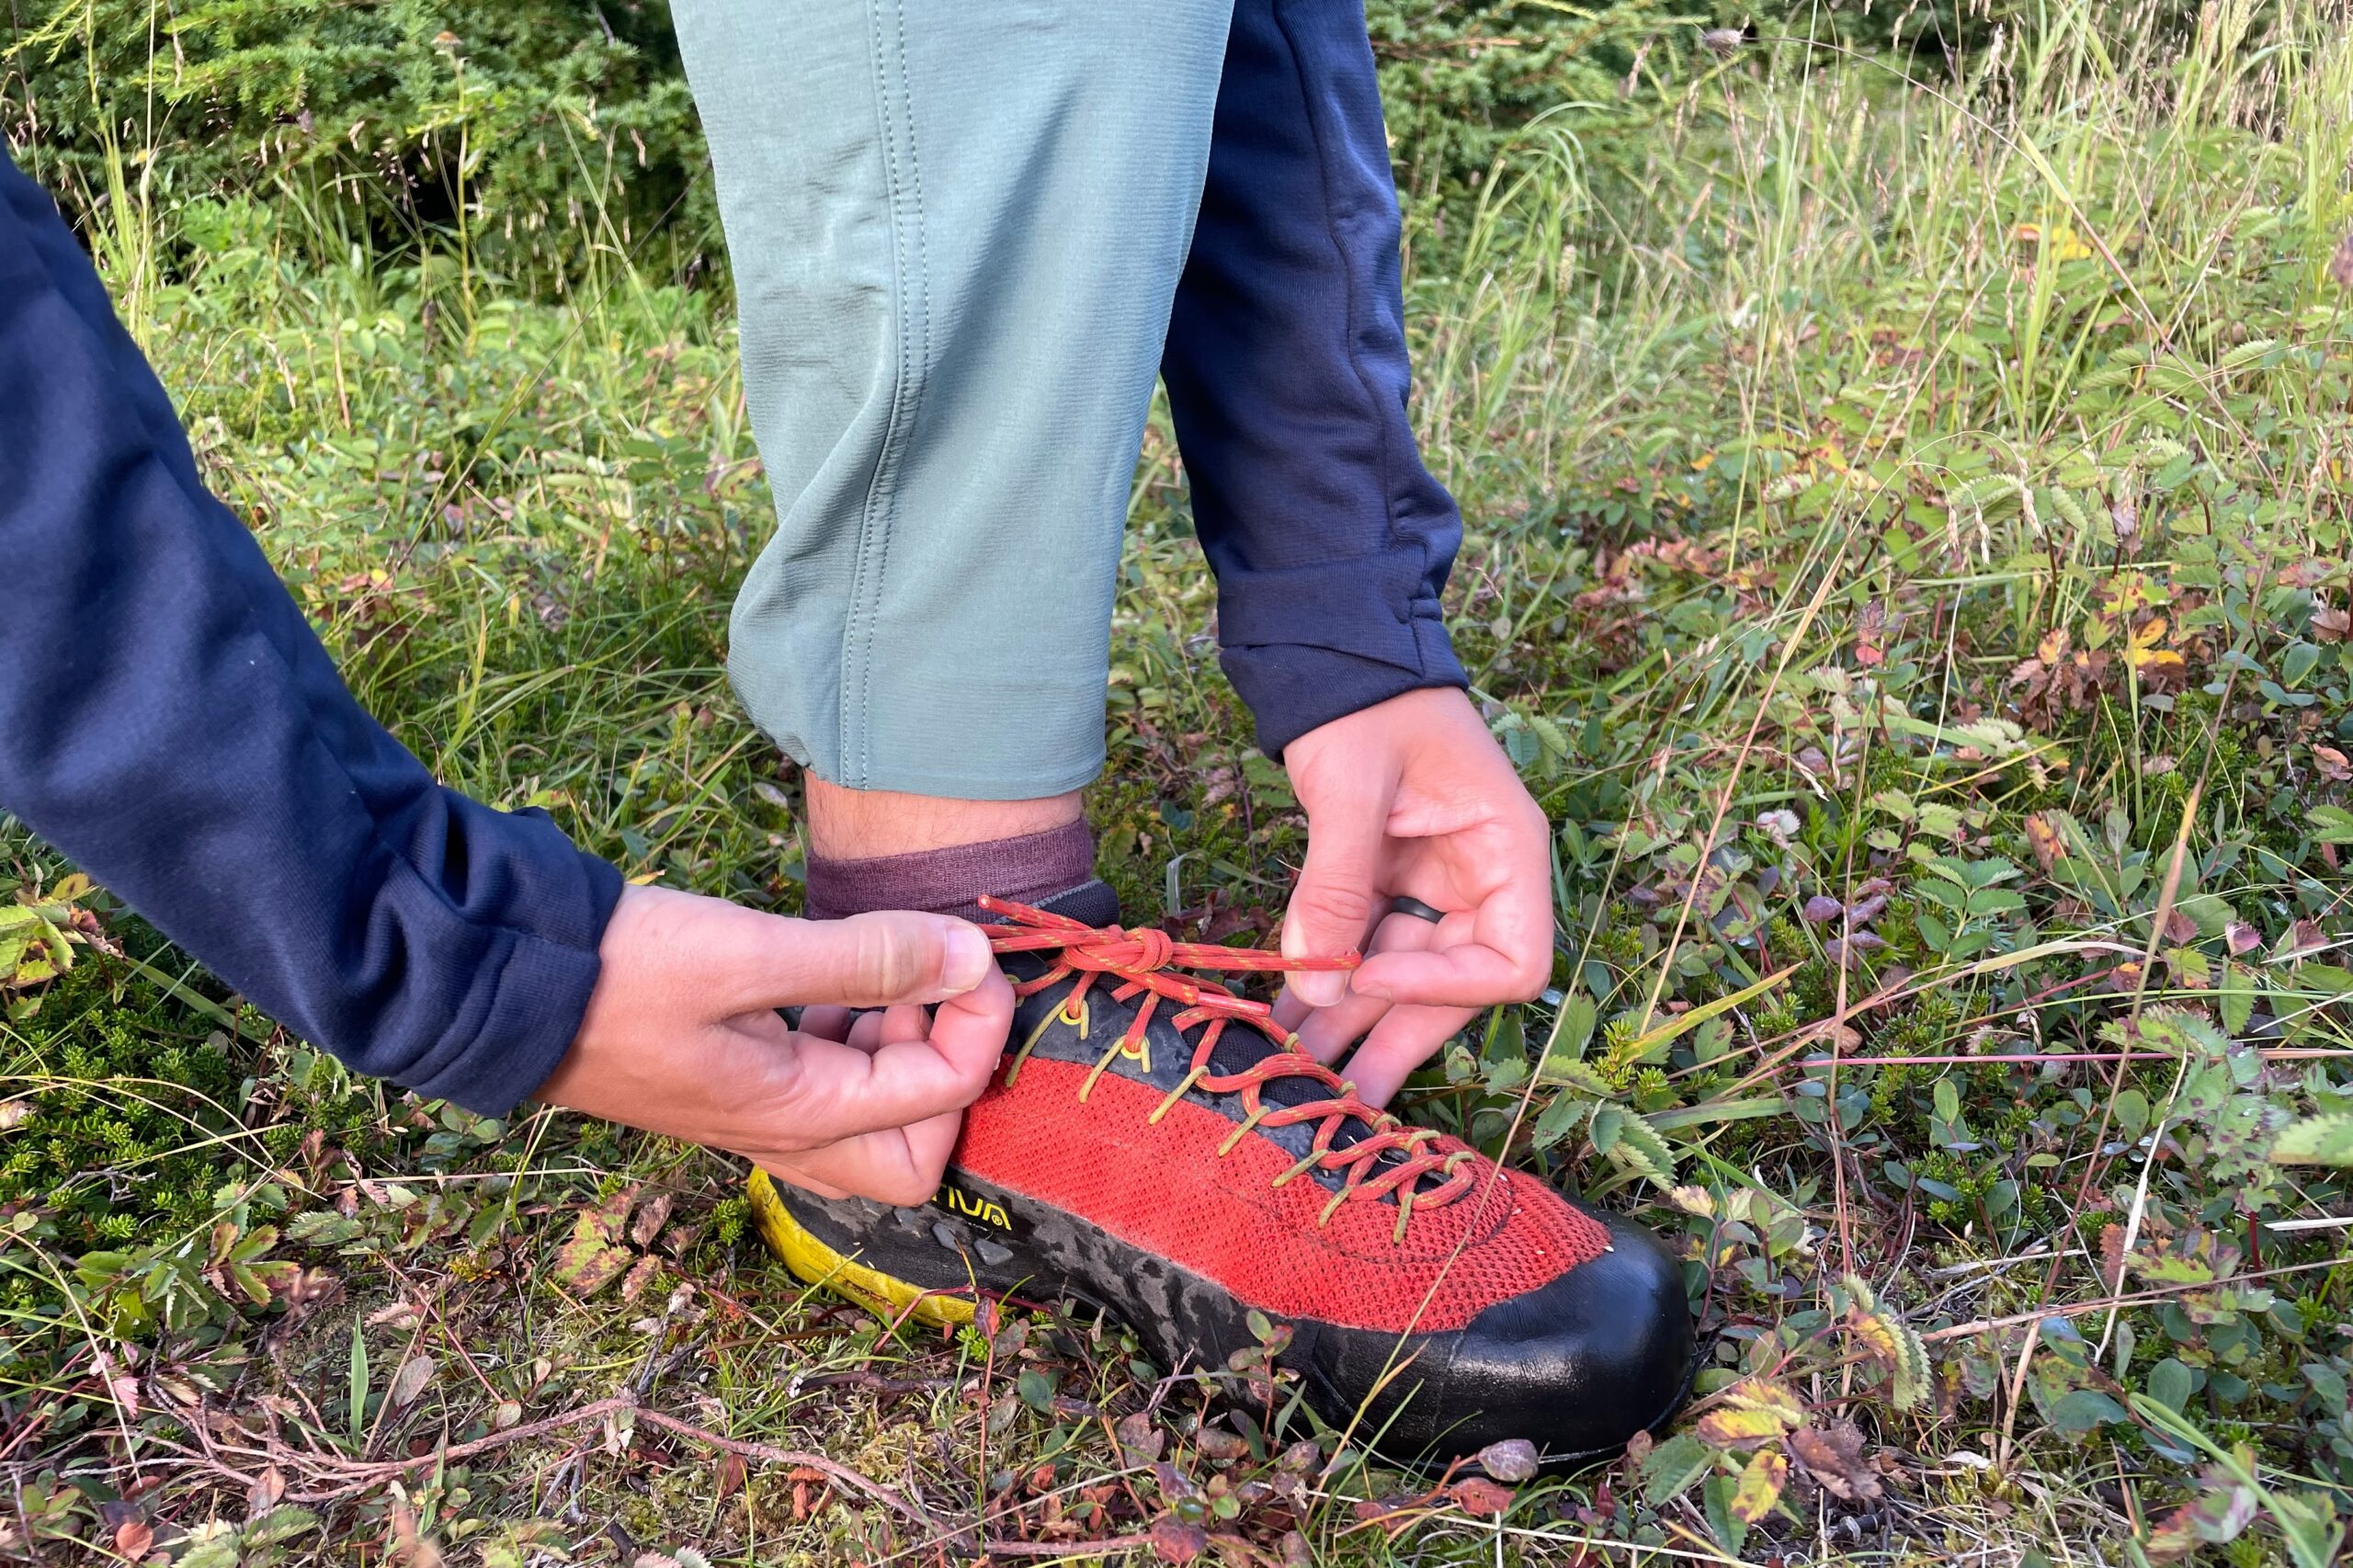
x: 1141, y: 960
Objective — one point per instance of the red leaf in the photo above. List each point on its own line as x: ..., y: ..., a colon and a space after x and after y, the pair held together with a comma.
x: 1833, y: 1455
x: 1477, y: 1495
x: 1174, y: 1540
x: 641, y: 1274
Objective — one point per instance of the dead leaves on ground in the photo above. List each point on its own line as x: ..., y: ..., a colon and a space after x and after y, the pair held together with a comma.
x: 594, y: 1255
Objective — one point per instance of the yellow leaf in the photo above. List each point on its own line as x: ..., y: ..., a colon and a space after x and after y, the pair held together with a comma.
x: 1754, y: 1410
x: 1693, y: 1200
x: 2145, y: 651
x: 1730, y: 1428
x: 1760, y: 1486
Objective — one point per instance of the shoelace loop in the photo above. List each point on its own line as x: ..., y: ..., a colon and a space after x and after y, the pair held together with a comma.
x: 1139, y: 961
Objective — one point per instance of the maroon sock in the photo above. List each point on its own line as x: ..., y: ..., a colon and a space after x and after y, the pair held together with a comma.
x: 1054, y: 868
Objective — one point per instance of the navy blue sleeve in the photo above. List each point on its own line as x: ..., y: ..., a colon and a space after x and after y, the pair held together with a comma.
x: 1286, y: 377
x: 168, y: 719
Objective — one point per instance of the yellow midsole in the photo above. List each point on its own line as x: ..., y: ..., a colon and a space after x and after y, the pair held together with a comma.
x: 813, y: 1260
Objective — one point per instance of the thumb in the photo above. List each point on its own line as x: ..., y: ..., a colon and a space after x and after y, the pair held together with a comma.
x: 869, y: 961
x: 1332, y: 908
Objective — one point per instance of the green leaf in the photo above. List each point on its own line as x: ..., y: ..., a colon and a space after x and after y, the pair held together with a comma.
x: 1550, y: 733
x: 2170, y: 1383
x: 2316, y: 1141
x: 1731, y: 1530
x: 2332, y: 824
x: 359, y: 1385
x: 1673, y: 1028
x: 1673, y: 1466
x: 2086, y: 1409
x: 1567, y: 1074
x: 321, y: 1228
x: 1560, y: 1120
x: 1639, y: 1148
x: 1946, y: 1096
x: 1571, y: 1032
x: 280, y: 1524
x: 2238, y: 1002
x: 216, y: 1551
x: 1710, y: 1111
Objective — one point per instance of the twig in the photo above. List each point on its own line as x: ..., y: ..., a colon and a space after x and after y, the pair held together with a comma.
x: 2065, y: 1058
x: 2076, y: 1308
x: 1065, y: 1549
x: 834, y: 1471
x: 360, y: 1477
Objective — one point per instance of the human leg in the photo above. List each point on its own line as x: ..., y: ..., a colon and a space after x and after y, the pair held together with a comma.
x: 956, y: 234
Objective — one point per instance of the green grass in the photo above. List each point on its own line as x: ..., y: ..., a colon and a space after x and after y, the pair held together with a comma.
x: 1908, y: 525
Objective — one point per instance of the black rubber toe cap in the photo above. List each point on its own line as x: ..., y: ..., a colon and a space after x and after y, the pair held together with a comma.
x: 1576, y: 1366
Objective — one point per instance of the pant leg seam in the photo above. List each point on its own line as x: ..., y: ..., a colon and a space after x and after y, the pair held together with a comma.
x: 910, y: 325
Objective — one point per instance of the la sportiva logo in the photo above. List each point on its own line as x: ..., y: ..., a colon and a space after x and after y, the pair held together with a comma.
x: 972, y: 1206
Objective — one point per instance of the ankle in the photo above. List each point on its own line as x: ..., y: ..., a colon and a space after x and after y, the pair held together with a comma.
x: 868, y: 824
x: 920, y: 852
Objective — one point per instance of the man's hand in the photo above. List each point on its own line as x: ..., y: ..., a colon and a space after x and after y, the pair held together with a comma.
x: 682, y: 1038
x: 1412, y: 796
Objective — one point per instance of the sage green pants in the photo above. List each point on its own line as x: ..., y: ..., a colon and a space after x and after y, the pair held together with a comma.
x: 956, y: 229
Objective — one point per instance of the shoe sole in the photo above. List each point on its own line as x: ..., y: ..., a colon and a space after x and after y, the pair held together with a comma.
x: 818, y: 1262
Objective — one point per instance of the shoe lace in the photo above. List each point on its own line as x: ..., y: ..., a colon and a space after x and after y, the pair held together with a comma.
x: 1390, y: 1157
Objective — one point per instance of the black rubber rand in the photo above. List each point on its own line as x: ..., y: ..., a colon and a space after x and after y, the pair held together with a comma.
x: 1009, y: 1246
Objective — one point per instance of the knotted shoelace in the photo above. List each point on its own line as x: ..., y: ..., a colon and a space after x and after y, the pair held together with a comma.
x: 1391, y: 1158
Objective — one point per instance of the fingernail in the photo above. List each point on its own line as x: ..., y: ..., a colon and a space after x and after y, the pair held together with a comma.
x: 968, y: 960
x: 1319, y: 988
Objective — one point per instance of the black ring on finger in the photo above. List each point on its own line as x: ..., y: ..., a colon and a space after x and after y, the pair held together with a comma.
x: 1404, y: 904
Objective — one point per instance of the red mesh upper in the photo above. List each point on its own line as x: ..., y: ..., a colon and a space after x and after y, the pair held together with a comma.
x: 1163, y: 1188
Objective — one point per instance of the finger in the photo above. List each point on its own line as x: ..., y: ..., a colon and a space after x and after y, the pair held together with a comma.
x: 1472, y: 974
x: 826, y: 1022
x: 868, y: 960
x: 841, y: 1091
x: 898, y: 1166
x: 790, y: 1172
x: 1506, y: 958
x: 873, y: 1030
x: 1325, y: 1032
x: 1398, y: 1045
x: 1337, y: 899
x: 901, y: 1166
x: 969, y: 1030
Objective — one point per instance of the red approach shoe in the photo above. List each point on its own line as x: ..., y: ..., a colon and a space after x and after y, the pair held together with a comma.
x: 1153, y: 1149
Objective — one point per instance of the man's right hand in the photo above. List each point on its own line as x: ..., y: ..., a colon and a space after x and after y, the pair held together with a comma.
x: 682, y: 1038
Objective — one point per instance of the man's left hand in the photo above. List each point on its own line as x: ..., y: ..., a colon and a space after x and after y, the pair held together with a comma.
x: 1412, y: 797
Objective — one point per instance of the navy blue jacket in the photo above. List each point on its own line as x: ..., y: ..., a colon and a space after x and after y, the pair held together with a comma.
x: 1286, y: 372
x: 169, y: 720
